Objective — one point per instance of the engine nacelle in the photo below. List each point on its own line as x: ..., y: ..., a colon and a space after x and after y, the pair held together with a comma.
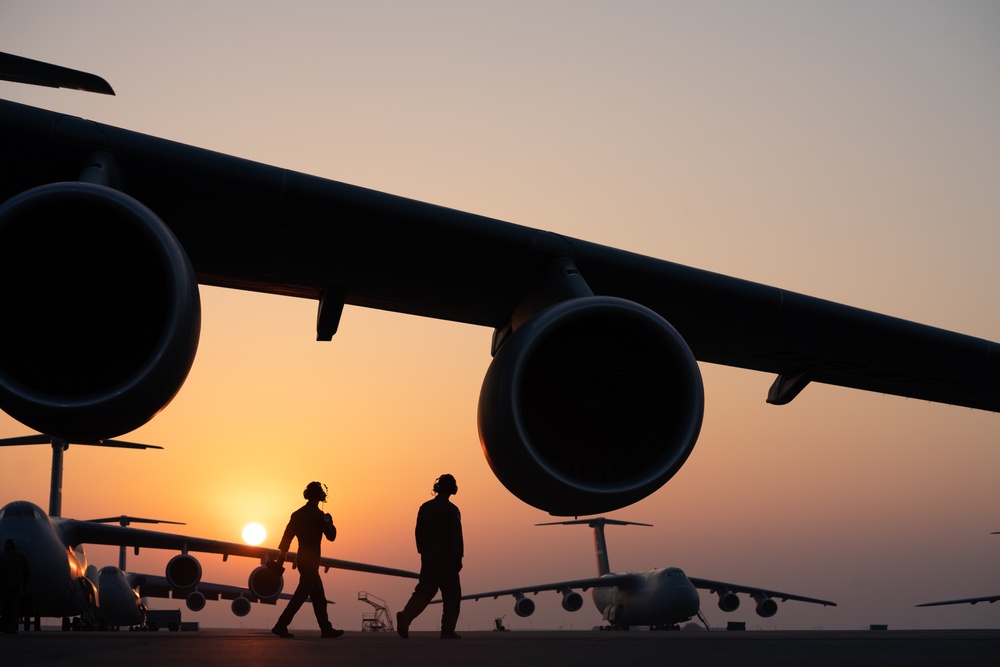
x: 572, y: 601
x: 766, y: 607
x: 183, y: 571
x: 265, y: 583
x: 100, y: 311
x: 589, y: 406
x: 241, y: 606
x: 524, y: 607
x: 728, y: 600
x: 195, y: 601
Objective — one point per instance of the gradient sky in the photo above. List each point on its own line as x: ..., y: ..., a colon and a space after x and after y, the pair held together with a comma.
x: 847, y: 150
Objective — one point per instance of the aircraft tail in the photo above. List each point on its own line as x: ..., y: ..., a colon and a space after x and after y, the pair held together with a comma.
x: 600, y: 544
x: 59, y: 446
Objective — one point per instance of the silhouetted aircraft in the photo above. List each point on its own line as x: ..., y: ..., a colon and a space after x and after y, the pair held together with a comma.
x: 659, y: 598
x: 63, y: 584
x: 987, y: 598
x: 594, y: 397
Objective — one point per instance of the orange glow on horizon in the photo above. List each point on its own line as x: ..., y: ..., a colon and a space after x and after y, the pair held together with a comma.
x: 814, y: 147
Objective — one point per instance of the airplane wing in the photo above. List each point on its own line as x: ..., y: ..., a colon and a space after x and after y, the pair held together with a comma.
x: 247, y: 225
x: 155, y: 586
x: 989, y: 598
x: 622, y: 581
x: 85, y: 532
x: 575, y: 323
x: 722, y: 586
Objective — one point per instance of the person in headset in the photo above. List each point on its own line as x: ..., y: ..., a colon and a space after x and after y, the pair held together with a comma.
x: 310, y: 525
x: 439, y: 542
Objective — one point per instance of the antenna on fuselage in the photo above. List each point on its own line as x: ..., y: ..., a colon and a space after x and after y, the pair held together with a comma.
x: 600, y: 545
x: 60, y: 445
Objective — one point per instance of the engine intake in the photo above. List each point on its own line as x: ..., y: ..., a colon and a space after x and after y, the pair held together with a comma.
x: 728, y: 601
x: 195, y: 601
x: 524, y: 607
x: 183, y: 571
x: 240, y: 606
x: 766, y: 607
x: 265, y: 583
x: 100, y: 311
x: 572, y: 601
x: 589, y: 406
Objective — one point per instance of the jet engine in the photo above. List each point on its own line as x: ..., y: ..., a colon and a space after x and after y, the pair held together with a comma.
x: 183, y: 571
x: 766, y: 607
x: 195, y: 601
x: 572, y: 601
x: 101, y: 313
x: 523, y: 606
x: 265, y: 583
x: 728, y: 600
x: 590, y: 405
x: 241, y: 606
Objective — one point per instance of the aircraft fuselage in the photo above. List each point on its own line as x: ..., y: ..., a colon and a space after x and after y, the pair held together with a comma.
x: 659, y: 597
x: 58, y: 585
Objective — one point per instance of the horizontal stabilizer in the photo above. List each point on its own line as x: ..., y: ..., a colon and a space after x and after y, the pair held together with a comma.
x: 594, y: 523
x: 125, y: 520
x: 35, y: 72
x: 40, y: 439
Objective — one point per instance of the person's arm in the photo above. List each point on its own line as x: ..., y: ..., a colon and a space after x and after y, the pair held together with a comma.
x: 329, y: 530
x: 286, y: 538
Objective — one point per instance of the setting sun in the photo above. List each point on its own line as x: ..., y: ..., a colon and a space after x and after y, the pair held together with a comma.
x: 254, y: 533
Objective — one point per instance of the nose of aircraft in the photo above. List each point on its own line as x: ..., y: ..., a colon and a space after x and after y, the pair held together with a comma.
x: 681, y: 593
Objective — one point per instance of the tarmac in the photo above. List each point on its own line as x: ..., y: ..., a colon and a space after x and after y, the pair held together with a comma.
x: 232, y: 648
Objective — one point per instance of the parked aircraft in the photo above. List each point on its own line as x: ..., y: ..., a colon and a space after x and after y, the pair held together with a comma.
x: 136, y: 222
x: 659, y: 598
x: 986, y: 598
x: 64, y: 584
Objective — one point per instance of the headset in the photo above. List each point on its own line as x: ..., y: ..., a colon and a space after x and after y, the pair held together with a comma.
x: 315, y: 491
x: 445, y: 484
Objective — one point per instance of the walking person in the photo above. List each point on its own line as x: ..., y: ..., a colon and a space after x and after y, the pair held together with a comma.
x: 14, y: 573
x: 309, y: 524
x: 441, y: 548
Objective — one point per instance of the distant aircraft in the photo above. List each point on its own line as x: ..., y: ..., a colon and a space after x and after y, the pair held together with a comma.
x: 987, y: 598
x: 135, y: 223
x: 659, y: 598
x: 63, y: 584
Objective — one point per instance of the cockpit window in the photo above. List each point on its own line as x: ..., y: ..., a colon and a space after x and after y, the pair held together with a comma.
x: 22, y: 511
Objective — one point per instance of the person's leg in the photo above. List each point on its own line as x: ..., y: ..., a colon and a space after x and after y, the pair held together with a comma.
x: 451, y: 594
x: 427, y: 587
x: 298, y: 598
x: 318, y: 596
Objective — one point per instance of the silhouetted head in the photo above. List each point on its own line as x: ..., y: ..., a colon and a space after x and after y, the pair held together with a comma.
x: 315, y: 491
x: 9, y: 545
x: 446, y: 484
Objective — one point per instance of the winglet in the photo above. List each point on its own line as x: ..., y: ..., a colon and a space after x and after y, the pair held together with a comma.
x: 37, y: 73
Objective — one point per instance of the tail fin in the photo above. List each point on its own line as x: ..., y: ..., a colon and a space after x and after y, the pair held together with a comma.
x: 35, y: 72
x: 60, y: 445
x: 600, y: 545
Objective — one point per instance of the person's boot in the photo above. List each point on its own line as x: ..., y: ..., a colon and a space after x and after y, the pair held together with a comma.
x: 402, y: 625
x: 330, y: 632
x: 449, y: 634
x: 282, y: 631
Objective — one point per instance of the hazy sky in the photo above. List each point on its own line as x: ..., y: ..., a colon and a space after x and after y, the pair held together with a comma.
x: 846, y: 150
